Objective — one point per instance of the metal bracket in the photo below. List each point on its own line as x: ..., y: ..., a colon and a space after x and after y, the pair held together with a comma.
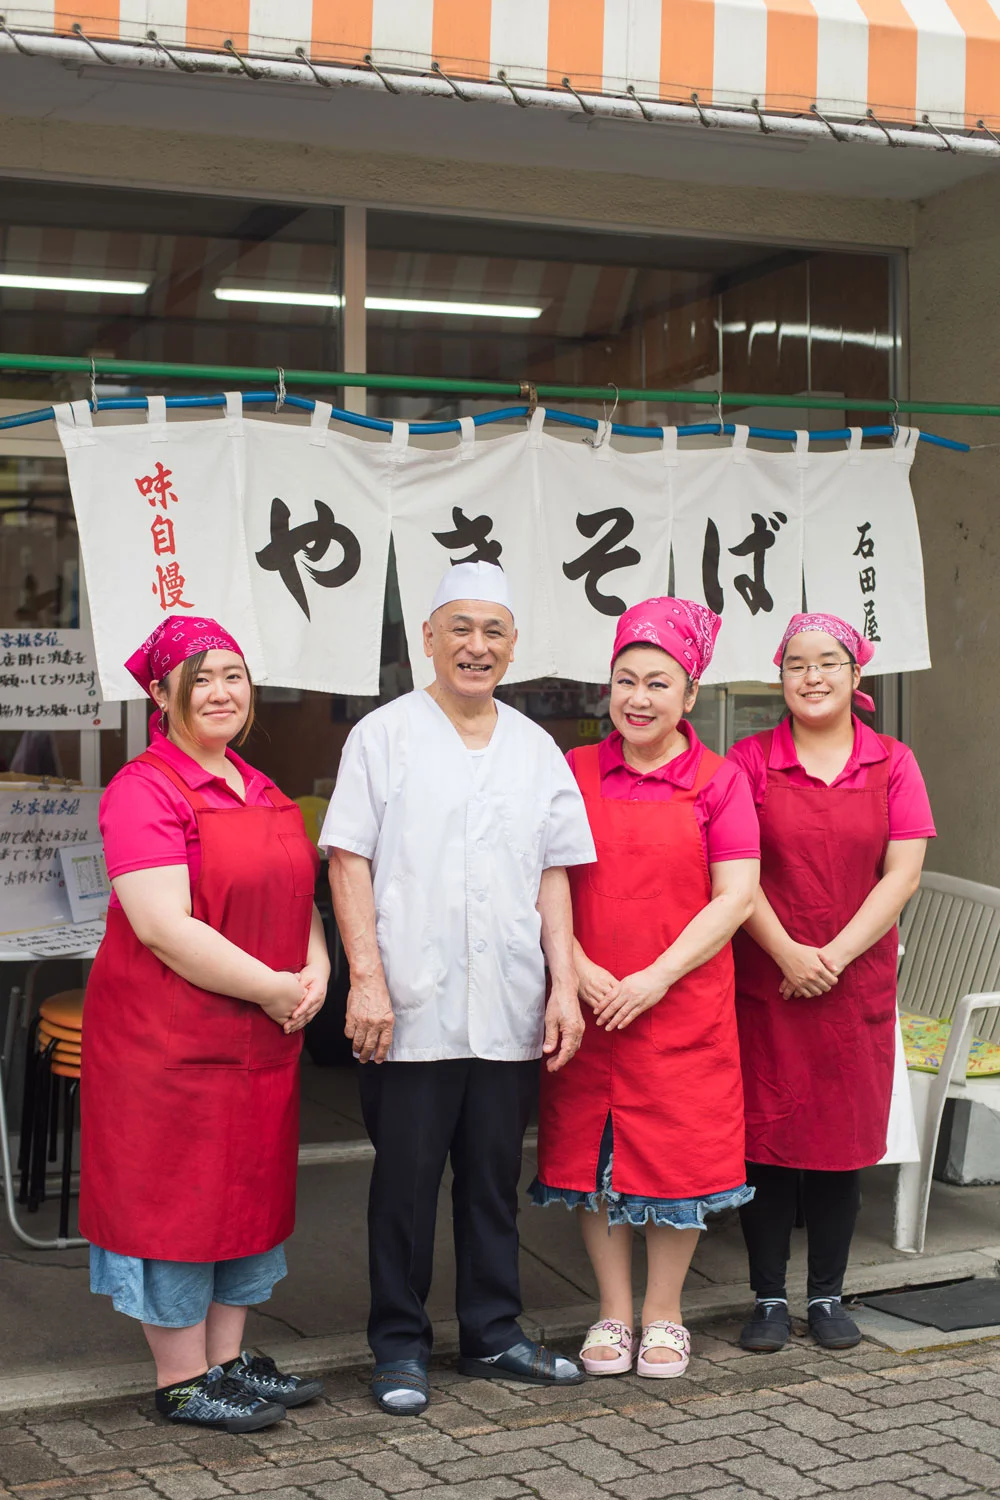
x: 250, y: 72
x: 7, y: 32
x: 376, y: 69
x: 521, y: 104
x: 755, y: 106
x: 302, y: 54
x: 588, y: 109
x: 948, y: 145
x: 814, y: 108
x: 701, y: 113
x: 630, y: 90
x: 78, y: 30
x: 871, y: 115
x: 185, y: 67
x: 529, y: 393
x: 982, y: 125
x: 465, y: 98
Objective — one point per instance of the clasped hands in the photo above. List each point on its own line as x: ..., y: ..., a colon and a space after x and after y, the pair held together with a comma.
x: 297, y: 998
x: 616, y: 1003
x: 808, y: 972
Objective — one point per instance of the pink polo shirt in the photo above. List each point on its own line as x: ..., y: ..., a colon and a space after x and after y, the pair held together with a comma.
x: 909, y: 808
x: 146, y: 822
x: 723, y: 808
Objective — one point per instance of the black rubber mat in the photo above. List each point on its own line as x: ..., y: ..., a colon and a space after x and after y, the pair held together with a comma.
x: 966, y: 1304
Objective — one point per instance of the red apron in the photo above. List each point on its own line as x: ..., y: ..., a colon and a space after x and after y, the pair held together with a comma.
x: 670, y: 1080
x: 190, y: 1100
x: 818, y: 1073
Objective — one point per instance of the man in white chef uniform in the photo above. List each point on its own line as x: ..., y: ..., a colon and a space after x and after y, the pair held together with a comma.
x: 450, y: 828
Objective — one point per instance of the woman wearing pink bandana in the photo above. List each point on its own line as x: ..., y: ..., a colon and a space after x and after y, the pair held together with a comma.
x: 844, y: 822
x: 213, y: 961
x: 645, y: 1125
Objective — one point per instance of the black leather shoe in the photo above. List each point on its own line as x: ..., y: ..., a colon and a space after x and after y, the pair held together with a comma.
x: 769, y: 1328
x: 525, y: 1361
x: 831, y: 1327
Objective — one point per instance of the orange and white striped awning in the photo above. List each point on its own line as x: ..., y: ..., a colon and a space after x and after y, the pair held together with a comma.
x: 903, y: 59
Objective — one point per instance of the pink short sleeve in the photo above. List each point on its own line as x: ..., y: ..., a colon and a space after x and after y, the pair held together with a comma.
x: 728, y: 816
x: 748, y: 755
x: 141, y: 823
x: 909, y: 806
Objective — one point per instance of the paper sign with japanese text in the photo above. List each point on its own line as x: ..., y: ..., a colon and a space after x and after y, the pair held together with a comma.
x: 36, y: 826
x: 48, y: 680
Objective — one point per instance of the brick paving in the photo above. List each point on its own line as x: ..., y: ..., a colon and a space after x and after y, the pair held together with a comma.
x: 802, y: 1423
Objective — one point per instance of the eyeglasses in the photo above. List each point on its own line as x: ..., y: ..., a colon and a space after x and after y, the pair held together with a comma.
x: 825, y: 668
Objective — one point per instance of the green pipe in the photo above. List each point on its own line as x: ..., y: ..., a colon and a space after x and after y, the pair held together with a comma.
x: 435, y: 383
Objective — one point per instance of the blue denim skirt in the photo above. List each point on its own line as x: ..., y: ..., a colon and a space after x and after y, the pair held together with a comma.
x: 178, y: 1293
x: 628, y: 1208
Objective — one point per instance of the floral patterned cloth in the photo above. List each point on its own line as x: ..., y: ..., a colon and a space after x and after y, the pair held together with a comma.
x: 924, y: 1041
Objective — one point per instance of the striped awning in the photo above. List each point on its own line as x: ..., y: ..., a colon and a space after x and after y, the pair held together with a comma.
x: 902, y: 59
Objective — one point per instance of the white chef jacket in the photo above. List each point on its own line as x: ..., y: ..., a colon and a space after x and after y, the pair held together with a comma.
x: 458, y: 840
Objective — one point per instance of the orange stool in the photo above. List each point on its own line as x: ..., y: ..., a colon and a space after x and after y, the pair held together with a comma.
x: 52, y: 1070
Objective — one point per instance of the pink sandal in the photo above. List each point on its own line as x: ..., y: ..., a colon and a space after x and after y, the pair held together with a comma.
x: 609, y: 1334
x: 664, y: 1335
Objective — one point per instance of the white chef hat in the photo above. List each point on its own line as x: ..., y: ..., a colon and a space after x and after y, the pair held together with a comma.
x: 484, y: 581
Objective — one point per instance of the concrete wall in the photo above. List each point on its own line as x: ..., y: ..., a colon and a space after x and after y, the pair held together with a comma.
x: 955, y: 356
x: 137, y: 157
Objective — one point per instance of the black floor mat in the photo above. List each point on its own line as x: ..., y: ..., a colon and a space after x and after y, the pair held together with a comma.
x: 966, y: 1304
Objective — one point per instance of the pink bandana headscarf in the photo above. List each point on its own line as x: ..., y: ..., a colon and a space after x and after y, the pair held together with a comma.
x: 173, y: 641
x: 682, y: 628
x: 858, y: 645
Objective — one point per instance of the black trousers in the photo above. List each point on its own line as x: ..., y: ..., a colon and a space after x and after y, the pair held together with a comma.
x: 830, y: 1202
x: 417, y: 1114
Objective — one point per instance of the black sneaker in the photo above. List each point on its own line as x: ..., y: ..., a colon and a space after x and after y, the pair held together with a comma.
x: 259, y: 1376
x: 769, y: 1328
x: 830, y: 1325
x: 216, y: 1400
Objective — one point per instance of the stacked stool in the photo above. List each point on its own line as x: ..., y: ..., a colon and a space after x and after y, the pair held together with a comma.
x: 51, y: 1086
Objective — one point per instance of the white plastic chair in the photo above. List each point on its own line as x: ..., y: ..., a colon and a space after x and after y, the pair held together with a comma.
x: 951, y: 970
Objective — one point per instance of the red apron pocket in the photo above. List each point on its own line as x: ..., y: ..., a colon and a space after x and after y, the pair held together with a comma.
x: 200, y: 1035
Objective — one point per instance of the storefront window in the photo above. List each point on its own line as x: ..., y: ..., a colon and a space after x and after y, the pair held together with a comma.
x: 89, y: 271
x: 489, y: 301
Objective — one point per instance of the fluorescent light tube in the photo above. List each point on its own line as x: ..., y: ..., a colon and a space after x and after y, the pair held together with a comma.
x: 288, y: 299
x: 456, y: 309
x: 377, y: 304
x: 73, y: 284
